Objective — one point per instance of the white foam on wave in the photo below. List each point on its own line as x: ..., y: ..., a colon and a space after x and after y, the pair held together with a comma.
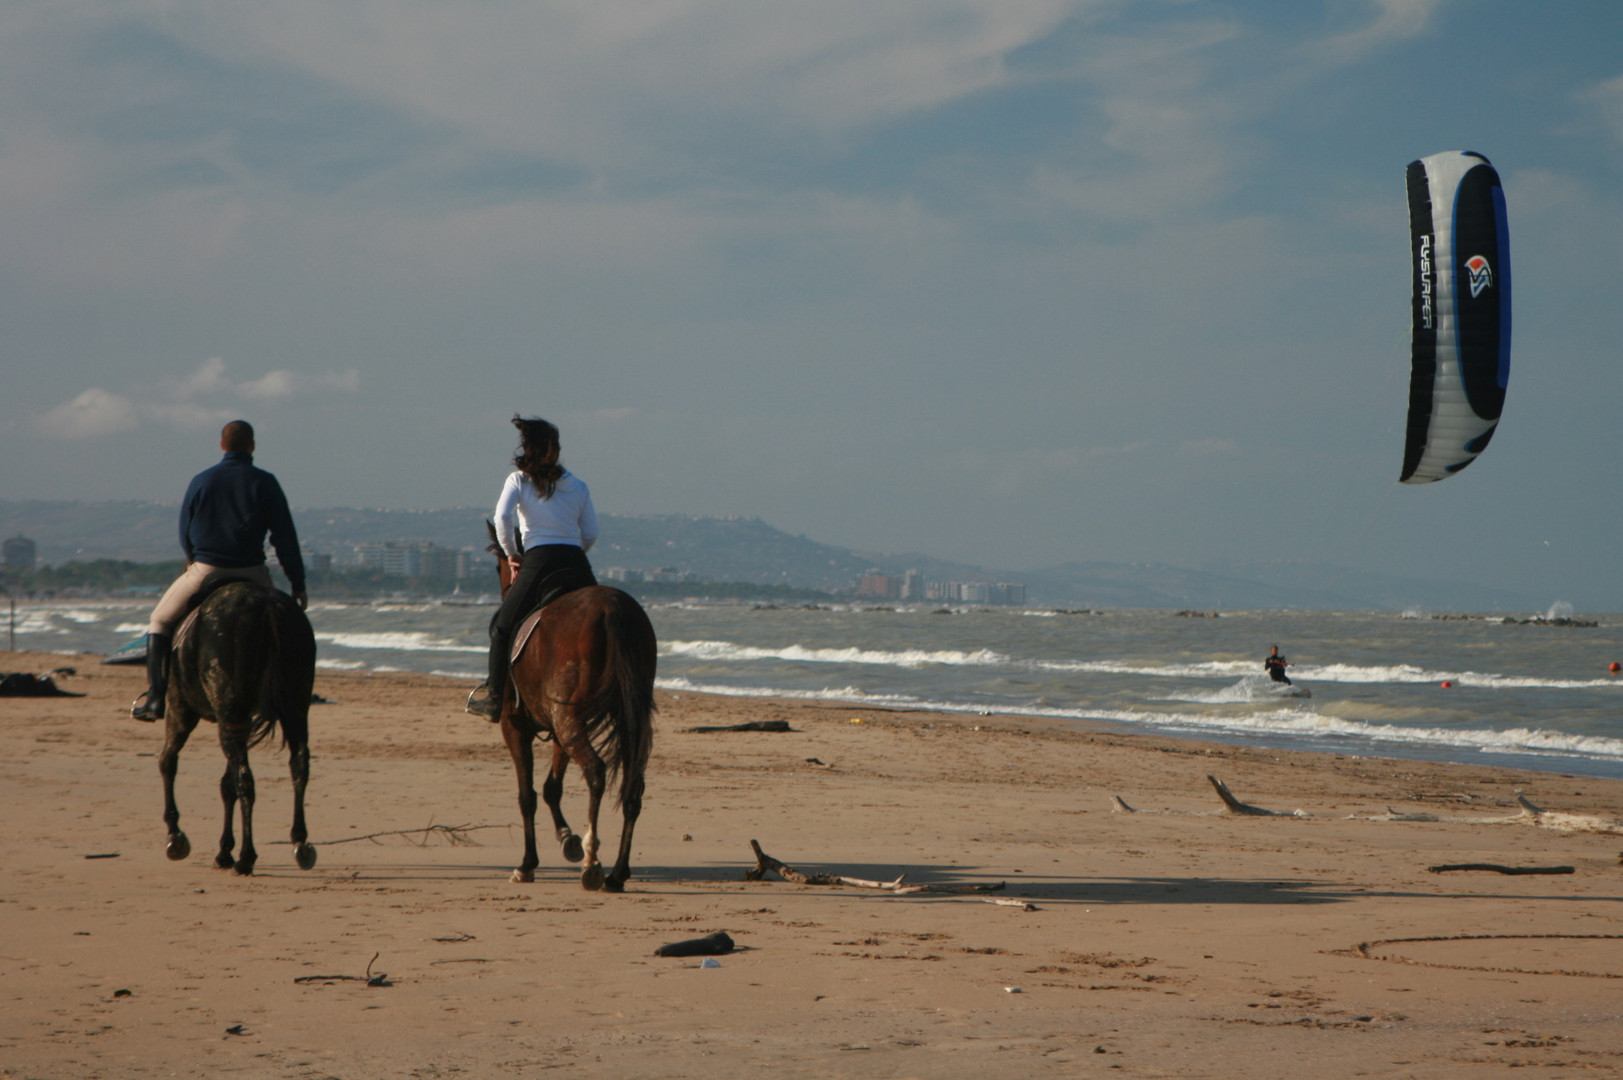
x: 1249, y: 689
x: 908, y: 658
x: 399, y: 641
x: 726, y: 651
x: 1294, y: 723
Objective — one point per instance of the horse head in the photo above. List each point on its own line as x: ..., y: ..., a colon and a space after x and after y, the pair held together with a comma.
x: 504, y: 567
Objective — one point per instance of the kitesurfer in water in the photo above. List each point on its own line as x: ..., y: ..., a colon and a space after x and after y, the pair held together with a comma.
x: 224, y: 518
x: 545, y: 525
x: 1276, y: 665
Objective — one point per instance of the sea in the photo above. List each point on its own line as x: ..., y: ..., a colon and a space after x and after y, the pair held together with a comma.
x: 1532, y: 692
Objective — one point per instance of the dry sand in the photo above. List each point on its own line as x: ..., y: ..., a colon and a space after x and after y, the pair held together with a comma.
x: 1178, y: 941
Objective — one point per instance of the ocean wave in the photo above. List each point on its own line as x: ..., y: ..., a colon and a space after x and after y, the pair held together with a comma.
x: 1401, y: 674
x: 907, y: 658
x: 1290, y: 723
x: 398, y: 641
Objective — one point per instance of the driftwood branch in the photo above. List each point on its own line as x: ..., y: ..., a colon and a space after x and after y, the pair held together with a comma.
x: 765, y: 863
x: 752, y: 725
x: 380, y: 979
x: 1497, y: 869
x: 456, y: 834
x: 1235, y: 806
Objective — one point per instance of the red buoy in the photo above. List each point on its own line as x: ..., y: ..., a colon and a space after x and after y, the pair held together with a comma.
x: 1447, y: 685
x: 1615, y: 668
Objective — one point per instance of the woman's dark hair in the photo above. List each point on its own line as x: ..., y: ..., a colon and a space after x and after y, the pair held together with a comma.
x: 537, y: 456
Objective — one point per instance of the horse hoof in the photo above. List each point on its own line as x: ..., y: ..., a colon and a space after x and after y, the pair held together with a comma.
x: 178, y: 847
x: 224, y: 861
x: 244, y: 869
x: 305, y: 856
x: 591, y: 878
x: 573, y: 849
x: 522, y: 877
x: 613, y: 885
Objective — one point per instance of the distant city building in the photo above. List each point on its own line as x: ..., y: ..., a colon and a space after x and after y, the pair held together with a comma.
x: 975, y: 592
x: 17, y: 555
x: 410, y: 558
x: 910, y: 585
x: 879, y: 585
x: 656, y: 574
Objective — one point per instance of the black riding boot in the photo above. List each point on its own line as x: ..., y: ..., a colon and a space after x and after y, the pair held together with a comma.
x: 486, y: 700
x: 151, y: 708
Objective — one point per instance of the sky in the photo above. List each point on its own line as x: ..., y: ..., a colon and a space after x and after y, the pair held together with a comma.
x: 1011, y: 282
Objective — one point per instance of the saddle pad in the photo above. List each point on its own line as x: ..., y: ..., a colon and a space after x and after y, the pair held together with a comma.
x: 556, y: 584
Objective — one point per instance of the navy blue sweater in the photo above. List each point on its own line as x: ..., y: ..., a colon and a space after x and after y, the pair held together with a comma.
x: 227, y: 511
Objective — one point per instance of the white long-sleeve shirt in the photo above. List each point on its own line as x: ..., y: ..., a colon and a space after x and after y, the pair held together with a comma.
x: 525, y: 520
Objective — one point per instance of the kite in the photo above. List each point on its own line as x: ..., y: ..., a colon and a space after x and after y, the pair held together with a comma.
x: 1460, y: 356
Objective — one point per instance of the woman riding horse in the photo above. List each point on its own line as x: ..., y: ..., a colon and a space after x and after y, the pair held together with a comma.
x: 545, y: 525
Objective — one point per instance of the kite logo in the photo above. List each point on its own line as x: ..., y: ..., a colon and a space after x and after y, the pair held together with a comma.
x: 1481, y: 274
x: 1424, y: 258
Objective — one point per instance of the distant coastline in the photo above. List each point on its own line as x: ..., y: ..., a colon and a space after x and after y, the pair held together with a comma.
x: 747, y: 551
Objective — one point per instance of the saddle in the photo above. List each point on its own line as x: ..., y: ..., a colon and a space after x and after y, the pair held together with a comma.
x: 560, y: 582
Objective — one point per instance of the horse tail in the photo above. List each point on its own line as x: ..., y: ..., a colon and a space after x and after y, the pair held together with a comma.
x: 620, y: 709
x: 281, y: 702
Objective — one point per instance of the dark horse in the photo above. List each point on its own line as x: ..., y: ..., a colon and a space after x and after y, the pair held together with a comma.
x: 585, y: 679
x: 248, y: 663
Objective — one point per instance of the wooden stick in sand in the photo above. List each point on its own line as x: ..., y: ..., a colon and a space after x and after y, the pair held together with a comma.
x: 1235, y: 806
x: 1497, y: 869
x: 765, y: 863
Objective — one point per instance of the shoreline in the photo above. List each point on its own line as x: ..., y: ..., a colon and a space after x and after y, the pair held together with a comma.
x: 1181, y: 939
x: 1556, y: 762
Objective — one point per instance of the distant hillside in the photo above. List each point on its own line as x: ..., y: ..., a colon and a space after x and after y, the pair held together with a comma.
x: 750, y: 550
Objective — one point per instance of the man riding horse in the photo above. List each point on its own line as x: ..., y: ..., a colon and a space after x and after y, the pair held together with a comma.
x: 227, y: 512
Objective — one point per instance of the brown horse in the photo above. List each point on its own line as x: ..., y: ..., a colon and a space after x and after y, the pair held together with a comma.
x: 248, y: 663
x: 585, y: 679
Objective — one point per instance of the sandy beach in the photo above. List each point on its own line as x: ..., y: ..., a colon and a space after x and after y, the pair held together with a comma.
x: 1181, y: 940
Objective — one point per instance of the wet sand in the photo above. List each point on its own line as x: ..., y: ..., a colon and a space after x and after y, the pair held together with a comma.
x: 1181, y: 940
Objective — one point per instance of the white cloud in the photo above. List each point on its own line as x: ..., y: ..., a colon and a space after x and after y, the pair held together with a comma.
x: 576, y: 79
x: 97, y: 412
x: 94, y: 412
x: 271, y: 386
x: 1395, y: 20
x: 1606, y: 99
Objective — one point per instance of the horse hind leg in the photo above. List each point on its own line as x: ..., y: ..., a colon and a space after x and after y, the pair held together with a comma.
x: 591, y: 766
x: 552, y: 793
x: 177, y: 729
x: 631, y: 808
x: 236, y: 789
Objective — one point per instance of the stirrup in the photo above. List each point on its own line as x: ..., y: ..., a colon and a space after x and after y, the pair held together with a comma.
x: 145, y: 709
x: 481, y: 703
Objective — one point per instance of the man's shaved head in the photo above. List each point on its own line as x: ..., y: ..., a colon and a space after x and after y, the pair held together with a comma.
x: 238, y: 437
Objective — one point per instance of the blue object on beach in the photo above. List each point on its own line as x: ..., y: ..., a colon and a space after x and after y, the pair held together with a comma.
x: 133, y: 651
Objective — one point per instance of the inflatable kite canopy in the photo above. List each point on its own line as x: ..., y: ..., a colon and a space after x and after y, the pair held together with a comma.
x: 1461, y: 313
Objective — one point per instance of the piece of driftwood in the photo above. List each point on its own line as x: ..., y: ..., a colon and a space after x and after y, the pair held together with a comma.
x: 1530, y: 814
x: 456, y: 834
x: 1235, y: 806
x: 752, y: 725
x: 715, y: 944
x: 1497, y: 869
x: 765, y: 863
x: 380, y: 979
x: 1556, y: 819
